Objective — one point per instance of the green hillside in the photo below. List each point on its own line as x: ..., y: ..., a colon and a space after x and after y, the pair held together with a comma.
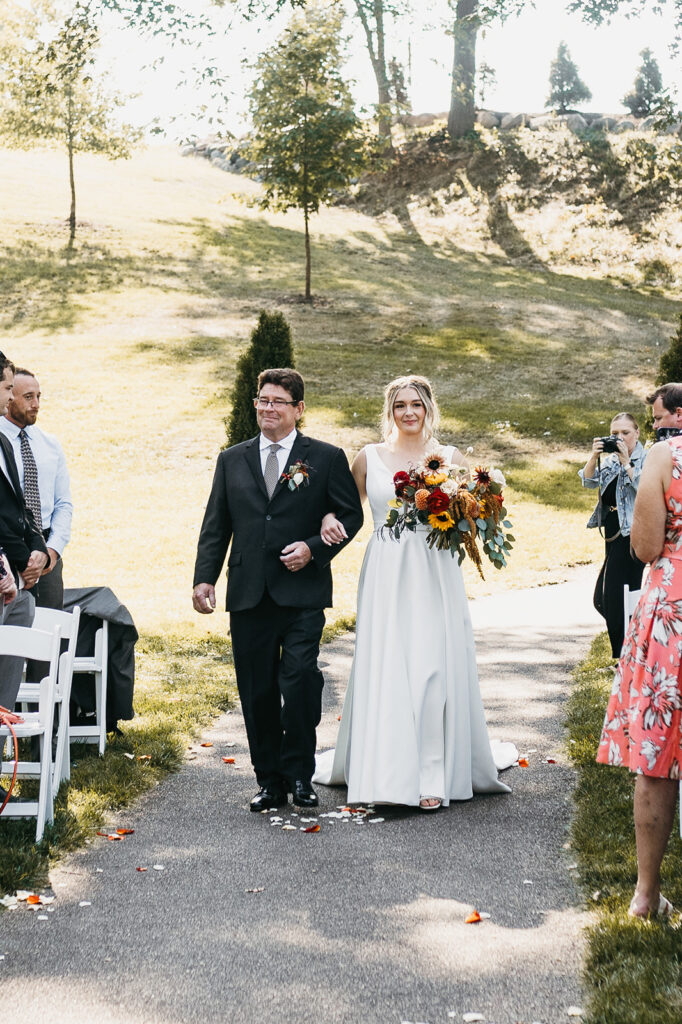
x: 135, y: 335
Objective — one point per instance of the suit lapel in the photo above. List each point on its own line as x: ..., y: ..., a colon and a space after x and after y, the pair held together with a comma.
x: 12, y: 471
x: 252, y: 456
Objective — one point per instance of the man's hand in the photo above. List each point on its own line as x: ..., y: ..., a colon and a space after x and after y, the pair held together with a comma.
x: 34, y: 568
x: 8, y: 588
x: 53, y: 558
x: 295, y: 556
x: 203, y: 598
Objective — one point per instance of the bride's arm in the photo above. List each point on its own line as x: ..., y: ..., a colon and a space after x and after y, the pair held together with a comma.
x: 332, y: 530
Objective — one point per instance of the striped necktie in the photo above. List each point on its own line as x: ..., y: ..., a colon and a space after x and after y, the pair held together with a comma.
x: 271, y: 471
x: 31, y: 491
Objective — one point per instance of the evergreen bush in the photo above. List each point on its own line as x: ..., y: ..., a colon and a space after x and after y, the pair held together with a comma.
x: 647, y: 94
x: 670, y: 363
x: 566, y: 86
x: 270, y: 346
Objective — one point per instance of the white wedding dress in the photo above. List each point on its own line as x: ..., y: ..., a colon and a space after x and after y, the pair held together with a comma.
x: 413, y: 723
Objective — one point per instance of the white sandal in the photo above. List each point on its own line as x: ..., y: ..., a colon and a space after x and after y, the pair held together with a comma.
x: 664, y: 909
x: 424, y: 806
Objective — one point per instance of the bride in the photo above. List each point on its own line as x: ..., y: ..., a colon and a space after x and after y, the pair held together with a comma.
x: 413, y: 729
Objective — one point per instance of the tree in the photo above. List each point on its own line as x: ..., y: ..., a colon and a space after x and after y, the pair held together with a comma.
x: 470, y: 16
x: 270, y: 346
x: 670, y: 363
x: 306, y: 137
x: 49, y: 94
x: 648, y: 93
x: 566, y: 87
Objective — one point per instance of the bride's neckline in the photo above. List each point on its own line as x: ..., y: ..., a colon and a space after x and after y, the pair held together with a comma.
x: 404, y: 465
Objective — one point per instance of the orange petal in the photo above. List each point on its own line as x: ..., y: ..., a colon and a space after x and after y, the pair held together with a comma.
x: 140, y: 869
x: 207, y: 744
x: 473, y: 918
x: 523, y: 762
x: 113, y: 838
x: 104, y: 834
x: 338, y: 718
x: 551, y: 760
x: 312, y: 828
x: 33, y: 899
x: 144, y: 757
x: 125, y: 831
x: 228, y: 760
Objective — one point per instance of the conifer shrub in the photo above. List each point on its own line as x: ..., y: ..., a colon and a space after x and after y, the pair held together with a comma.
x: 270, y: 346
x: 670, y: 363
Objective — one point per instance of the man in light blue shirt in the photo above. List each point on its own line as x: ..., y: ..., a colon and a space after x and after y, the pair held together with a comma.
x: 44, y: 480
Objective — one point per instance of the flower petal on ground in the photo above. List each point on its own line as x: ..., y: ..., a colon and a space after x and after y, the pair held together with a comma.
x: 207, y: 744
x: 311, y: 828
x: 125, y: 831
x: 228, y: 760
x: 473, y: 918
x: 523, y: 762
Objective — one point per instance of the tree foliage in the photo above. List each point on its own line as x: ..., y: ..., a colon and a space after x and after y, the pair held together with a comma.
x: 670, y: 363
x: 647, y: 94
x: 306, y: 139
x: 270, y: 346
x: 48, y: 94
x: 566, y: 86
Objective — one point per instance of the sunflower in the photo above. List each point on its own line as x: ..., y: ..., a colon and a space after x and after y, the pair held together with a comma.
x: 433, y: 468
x: 442, y: 521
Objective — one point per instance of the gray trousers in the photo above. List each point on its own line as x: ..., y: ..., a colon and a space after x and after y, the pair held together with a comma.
x: 19, y: 613
x: 50, y: 588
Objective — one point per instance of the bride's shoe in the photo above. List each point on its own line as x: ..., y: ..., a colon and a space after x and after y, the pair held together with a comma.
x: 430, y: 803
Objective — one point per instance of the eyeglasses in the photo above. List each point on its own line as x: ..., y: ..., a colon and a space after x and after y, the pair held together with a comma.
x: 276, y: 403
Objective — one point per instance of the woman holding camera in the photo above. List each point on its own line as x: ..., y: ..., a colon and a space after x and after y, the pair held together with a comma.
x: 614, y: 467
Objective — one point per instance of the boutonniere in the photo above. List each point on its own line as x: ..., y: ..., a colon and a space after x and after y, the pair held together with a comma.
x: 297, y: 475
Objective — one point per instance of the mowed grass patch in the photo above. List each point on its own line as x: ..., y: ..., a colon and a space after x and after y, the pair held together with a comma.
x: 182, y: 683
x: 633, y: 970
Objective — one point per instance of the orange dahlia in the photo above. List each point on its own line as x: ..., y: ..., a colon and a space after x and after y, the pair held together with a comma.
x: 421, y: 499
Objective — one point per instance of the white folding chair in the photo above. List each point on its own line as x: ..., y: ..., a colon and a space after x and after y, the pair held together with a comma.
x: 95, y: 663
x: 630, y: 599
x: 46, y: 619
x: 21, y: 642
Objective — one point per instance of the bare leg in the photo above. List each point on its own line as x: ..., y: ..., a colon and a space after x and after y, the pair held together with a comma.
x: 655, y: 801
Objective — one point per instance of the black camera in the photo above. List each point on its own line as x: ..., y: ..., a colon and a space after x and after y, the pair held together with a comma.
x: 610, y: 443
x: 663, y: 432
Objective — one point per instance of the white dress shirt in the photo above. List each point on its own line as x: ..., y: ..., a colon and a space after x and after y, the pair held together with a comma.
x: 283, y: 454
x: 53, y: 480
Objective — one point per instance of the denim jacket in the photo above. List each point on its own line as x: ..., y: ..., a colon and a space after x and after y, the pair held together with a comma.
x: 626, y: 489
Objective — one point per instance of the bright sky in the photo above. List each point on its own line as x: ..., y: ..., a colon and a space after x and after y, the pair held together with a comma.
x: 521, y: 51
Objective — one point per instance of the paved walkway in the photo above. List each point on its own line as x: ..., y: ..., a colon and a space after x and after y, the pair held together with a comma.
x: 361, y: 922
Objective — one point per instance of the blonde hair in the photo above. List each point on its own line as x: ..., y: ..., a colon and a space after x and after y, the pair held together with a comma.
x: 423, y: 388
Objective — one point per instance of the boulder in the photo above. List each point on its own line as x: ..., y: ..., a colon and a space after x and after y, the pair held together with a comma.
x: 187, y: 151
x: 674, y: 129
x: 512, y: 121
x: 647, y: 124
x: 575, y: 123
x: 603, y: 124
x: 487, y: 119
x: 625, y: 126
x: 542, y: 121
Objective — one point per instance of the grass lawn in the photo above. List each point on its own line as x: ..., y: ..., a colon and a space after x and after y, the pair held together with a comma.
x: 134, y: 335
x: 633, y: 970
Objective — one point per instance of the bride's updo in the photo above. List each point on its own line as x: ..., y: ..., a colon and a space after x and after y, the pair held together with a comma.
x: 423, y: 388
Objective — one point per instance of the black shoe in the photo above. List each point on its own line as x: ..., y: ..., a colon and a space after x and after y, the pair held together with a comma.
x: 303, y: 794
x: 268, y: 798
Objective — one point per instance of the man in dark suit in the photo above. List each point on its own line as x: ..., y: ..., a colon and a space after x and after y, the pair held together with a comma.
x: 22, y: 543
x: 269, y: 497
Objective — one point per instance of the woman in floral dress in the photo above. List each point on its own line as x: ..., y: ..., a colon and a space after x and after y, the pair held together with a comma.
x: 643, y: 723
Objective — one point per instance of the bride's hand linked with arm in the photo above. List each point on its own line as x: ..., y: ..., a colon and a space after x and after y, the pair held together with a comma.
x: 332, y: 530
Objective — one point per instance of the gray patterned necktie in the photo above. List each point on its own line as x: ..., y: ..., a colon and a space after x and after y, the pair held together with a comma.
x: 271, y: 471
x: 31, y: 492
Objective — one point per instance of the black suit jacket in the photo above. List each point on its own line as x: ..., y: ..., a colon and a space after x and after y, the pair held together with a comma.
x: 19, y: 534
x: 240, y: 511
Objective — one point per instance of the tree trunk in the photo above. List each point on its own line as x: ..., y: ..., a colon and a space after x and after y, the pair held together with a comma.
x: 462, y: 100
x: 308, y: 294
x: 377, y: 56
x: 72, y: 180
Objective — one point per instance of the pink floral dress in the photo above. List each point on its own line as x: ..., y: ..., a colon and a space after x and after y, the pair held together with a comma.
x: 643, y: 723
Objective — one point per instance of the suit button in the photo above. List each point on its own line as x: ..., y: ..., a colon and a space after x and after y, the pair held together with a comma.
x: 268, y: 518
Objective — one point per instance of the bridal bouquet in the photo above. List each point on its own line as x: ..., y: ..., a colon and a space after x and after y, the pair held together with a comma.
x: 461, y: 512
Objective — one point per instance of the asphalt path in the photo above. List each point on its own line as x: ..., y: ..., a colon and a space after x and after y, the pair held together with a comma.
x: 363, y: 921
